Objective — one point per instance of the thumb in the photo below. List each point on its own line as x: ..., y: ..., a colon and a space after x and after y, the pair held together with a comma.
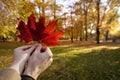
x: 38, y: 48
x: 31, y: 49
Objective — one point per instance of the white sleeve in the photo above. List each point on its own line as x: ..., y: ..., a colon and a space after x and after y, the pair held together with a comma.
x: 9, y: 74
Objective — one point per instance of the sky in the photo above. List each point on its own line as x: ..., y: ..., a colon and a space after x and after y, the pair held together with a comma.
x: 66, y: 3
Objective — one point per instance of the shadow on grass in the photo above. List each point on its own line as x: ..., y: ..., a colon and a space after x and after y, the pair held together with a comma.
x: 96, y: 65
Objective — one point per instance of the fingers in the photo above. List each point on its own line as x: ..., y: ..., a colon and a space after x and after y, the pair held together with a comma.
x: 47, y: 54
x: 50, y: 61
x: 47, y: 64
x: 32, y: 48
x: 48, y: 51
x: 43, y: 49
x: 38, y: 49
x: 24, y: 47
x: 39, y: 61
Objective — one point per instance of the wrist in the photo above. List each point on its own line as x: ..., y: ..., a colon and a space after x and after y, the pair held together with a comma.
x: 15, y: 67
x: 32, y: 72
x: 18, y: 67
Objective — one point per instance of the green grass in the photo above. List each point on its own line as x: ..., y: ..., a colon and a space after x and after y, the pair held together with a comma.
x: 6, y: 53
x: 75, y: 62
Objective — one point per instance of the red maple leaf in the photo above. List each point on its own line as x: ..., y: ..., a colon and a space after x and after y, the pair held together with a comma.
x: 53, y: 38
x: 25, y: 34
x: 39, y: 31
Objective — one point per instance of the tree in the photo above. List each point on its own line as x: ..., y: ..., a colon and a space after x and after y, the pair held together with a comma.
x: 8, y: 19
x: 78, y: 28
x: 54, y: 9
x: 7, y: 32
x: 41, y: 6
x: 25, y: 9
x: 84, y: 6
x: 102, y: 11
x: 112, y: 23
x: 79, y: 22
x: 72, y: 22
x: 7, y: 12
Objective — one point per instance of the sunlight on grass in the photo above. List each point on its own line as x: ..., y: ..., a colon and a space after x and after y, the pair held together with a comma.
x: 80, y: 50
x: 84, y: 63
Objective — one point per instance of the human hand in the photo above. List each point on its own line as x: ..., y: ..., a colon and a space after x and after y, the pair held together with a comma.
x: 21, y: 55
x: 38, y: 62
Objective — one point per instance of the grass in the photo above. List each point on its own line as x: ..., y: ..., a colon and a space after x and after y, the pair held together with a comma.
x: 6, y: 53
x: 75, y: 62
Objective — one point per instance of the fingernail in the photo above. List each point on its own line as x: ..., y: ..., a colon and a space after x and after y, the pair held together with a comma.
x: 43, y: 49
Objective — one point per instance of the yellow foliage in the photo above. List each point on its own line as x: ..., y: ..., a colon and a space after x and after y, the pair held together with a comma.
x: 114, y: 27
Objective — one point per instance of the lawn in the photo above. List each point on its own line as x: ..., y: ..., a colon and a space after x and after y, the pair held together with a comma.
x: 75, y: 62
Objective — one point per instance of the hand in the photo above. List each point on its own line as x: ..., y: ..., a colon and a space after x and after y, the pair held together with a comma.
x: 38, y: 62
x: 21, y: 55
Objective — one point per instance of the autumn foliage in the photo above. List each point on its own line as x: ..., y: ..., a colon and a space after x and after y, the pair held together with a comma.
x: 39, y: 31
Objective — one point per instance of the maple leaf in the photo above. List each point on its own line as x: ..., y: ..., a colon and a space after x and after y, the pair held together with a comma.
x: 51, y: 27
x: 39, y: 31
x: 53, y: 39
x: 24, y: 32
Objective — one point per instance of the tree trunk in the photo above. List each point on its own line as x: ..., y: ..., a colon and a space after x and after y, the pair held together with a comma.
x: 43, y: 8
x: 97, y: 35
x: 86, y: 32
x: 72, y: 35
x: 3, y: 39
x: 71, y: 39
x: 54, y: 12
x: 98, y: 23
x: 106, y: 35
x: 81, y: 34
